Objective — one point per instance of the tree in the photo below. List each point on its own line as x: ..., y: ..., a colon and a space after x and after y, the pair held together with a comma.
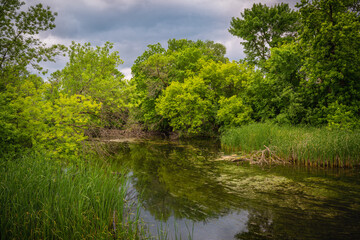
x: 158, y: 68
x: 233, y: 112
x: 188, y: 106
x: 23, y: 115
x: 214, y: 51
x: 226, y: 79
x: 19, y: 46
x: 264, y: 27
x: 330, y: 43
x: 93, y: 72
x: 29, y: 120
x: 148, y: 82
x: 282, y: 93
x: 214, y: 98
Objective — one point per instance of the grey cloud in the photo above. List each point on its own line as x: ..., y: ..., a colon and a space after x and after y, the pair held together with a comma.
x: 154, y: 19
x: 133, y: 24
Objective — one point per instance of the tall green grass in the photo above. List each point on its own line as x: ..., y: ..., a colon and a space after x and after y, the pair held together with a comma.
x: 300, y: 145
x: 41, y: 200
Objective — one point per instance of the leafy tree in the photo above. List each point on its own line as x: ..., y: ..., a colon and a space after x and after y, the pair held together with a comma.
x: 330, y: 42
x: 147, y: 86
x: 28, y: 119
x: 151, y: 50
x: 214, y: 51
x: 263, y: 27
x: 19, y: 46
x: 226, y: 79
x: 22, y: 117
x: 233, y: 112
x: 158, y: 68
x: 188, y: 105
x: 216, y: 97
x: 342, y: 117
x: 93, y: 72
x: 283, y: 95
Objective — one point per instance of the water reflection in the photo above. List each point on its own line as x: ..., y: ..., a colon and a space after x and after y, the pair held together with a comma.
x: 182, y: 187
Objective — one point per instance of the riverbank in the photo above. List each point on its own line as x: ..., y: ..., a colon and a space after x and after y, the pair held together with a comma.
x: 270, y: 143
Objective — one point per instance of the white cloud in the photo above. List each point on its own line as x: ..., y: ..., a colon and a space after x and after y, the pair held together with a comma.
x: 110, y: 4
x: 126, y: 72
x: 51, y: 39
x: 234, y: 50
x: 217, y: 7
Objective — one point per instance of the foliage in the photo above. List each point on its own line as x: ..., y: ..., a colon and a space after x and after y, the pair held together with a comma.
x: 330, y: 41
x: 341, y: 117
x: 188, y: 105
x: 28, y: 119
x: 278, y: 95
x: 307, y: 71
x: 157, y: 68
x: 228, y: 78
x: 232, y: 112
x: 93, y: 72
x: 185, y: 83
x: 19, y: 46
x: 264, y: 27
x: 310, y: 63
x: 211, y: 99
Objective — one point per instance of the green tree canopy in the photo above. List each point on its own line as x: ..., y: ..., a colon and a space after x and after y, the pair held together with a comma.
x: 263, y: 27
x: 157, y: 68
x: 188, y: 106
x: 93, y: 72
x: 330, y: 43
x: 19, y: 46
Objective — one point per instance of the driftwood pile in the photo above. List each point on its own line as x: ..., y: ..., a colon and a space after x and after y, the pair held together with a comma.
x: 266, y: 156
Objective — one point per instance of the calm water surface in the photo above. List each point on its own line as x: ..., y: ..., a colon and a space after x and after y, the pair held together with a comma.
x: 184, y: 189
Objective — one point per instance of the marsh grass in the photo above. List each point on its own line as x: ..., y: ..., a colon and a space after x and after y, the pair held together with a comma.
x: 299, y: 145
x: 39, y: 199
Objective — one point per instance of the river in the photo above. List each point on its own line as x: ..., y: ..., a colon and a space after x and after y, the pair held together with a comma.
x: 184, y: 189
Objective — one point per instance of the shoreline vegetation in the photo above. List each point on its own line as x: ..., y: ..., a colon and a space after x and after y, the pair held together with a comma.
x: 265, y: 143
x: 269, y: 143
x: 42, y: 199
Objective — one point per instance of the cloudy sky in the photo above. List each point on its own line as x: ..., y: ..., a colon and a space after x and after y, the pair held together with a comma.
x: 133, y: 24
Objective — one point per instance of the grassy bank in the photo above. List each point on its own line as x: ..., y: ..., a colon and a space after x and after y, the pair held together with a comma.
x: 299, y: 145
x: 39, y: 199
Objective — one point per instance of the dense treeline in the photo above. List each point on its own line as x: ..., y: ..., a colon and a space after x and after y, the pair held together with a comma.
x: 301, y: 67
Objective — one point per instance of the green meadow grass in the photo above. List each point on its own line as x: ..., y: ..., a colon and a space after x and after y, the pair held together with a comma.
x: 39, y: 199
x: 300, y: 145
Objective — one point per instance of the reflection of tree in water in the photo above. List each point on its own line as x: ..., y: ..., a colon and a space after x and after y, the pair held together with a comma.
x: 279, y: 223
x: 271, y: 224
x: 260, y: 225
x: 178, y: 180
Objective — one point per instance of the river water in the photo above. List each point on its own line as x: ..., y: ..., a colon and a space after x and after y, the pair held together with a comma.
x: 184, y: 189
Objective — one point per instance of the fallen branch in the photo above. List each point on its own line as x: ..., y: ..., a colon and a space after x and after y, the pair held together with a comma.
x: 265, y: 156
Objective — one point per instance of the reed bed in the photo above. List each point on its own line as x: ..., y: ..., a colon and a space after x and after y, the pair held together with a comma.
x: 299, y: 145
x: 41, y: 200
